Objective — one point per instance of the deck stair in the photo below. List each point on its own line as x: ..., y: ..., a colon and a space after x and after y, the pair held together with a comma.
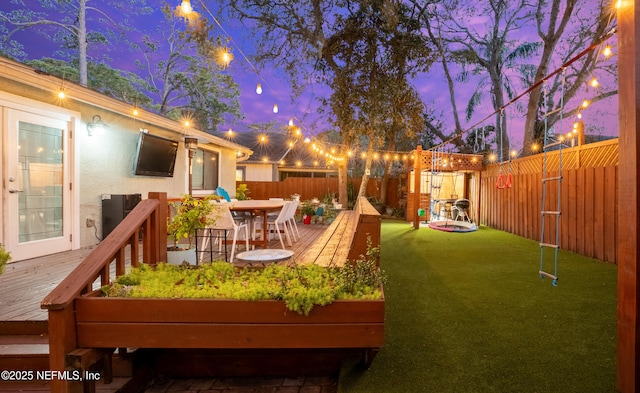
x: 24, y: 345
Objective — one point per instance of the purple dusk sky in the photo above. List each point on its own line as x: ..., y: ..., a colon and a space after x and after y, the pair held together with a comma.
x: 259, y: 108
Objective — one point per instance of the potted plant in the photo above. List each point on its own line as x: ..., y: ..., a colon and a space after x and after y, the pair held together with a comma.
x: 242, y: 192
x: 189, y: 215
x: 308, y: 211
x: 5, y: 256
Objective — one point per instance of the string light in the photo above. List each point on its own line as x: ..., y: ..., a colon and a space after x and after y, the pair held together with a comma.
x: 585, y: 104
x: 275, y: 108
x: 594, y: 82
x: 226, y: 57
x: 136, y: 112
x: 61, y: 95
x: 186, y: 6
x: 259, y: 89
x: 606, y: 52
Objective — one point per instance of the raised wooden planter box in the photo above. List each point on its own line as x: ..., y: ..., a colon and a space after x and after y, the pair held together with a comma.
x: 227, y: 324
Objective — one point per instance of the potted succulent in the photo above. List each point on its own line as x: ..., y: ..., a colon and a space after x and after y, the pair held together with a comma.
x: 188, y: 216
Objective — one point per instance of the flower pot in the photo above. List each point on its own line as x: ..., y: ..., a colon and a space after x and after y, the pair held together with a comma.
x: 177, y: 257
x: 306, y: 220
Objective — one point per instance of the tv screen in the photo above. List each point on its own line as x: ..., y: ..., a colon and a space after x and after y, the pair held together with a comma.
x: 156, y: 156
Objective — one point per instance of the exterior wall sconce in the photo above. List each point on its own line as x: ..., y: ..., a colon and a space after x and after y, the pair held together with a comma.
x: 96, y: 124
x: 191, y: 144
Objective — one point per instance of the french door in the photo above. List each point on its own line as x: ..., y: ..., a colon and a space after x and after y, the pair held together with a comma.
x: 37, y: 212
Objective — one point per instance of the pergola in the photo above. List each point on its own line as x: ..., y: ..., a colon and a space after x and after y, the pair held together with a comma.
x: 430, y: 161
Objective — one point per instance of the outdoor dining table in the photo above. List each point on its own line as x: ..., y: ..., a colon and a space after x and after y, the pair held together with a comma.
x: 258, y: 207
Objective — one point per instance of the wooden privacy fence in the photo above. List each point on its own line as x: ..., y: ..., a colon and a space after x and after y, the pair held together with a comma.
x: 310, y: 188
x: 589, y: 198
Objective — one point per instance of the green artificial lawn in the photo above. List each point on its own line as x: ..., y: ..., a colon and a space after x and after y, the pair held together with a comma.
x: 468, y: 312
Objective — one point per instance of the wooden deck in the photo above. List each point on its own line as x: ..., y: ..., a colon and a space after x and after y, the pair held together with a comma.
x: 25, y: 283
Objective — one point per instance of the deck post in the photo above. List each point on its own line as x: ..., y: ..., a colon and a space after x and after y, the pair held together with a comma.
x: 62, y: 340
x: 417, y: 172
x: 628, y: 372
x: 160, y: 246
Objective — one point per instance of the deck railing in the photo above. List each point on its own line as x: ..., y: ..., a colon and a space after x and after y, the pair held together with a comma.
x: 145, y: 226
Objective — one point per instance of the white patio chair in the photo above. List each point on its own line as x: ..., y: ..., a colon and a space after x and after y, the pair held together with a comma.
x: 224, y: 223
x: 276, y: 224
x: 291, y: 220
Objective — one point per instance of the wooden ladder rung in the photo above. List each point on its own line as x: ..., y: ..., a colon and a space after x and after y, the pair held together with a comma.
x: 549, y: 245
x: 551, y: 212
x: 543, y: 273
x: 552, y: 112
x: 552, y: 178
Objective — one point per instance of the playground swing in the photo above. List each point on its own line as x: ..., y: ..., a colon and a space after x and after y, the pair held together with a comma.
x: 435, y: 174
x: 503, y: 181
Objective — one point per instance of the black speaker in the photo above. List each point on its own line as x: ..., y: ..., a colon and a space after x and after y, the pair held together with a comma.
x: 115, y: 208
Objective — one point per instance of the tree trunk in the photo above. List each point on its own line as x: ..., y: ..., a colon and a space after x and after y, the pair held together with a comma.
x: 384, y: 184
x: 367, y: 170
x: 343, y: 196
x: 82, y: 42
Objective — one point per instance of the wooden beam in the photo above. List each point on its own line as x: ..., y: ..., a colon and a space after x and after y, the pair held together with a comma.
x: 628, y: 373
x: 417, y: 169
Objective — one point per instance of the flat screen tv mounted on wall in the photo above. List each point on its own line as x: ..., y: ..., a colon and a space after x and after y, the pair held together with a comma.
x: 155, y: 156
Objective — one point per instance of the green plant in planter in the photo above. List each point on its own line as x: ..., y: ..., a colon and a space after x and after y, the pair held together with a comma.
x: 301, y: 287
x: 307, y: 209
x: 242, y: 192
x: 190, y: 215
x: 5, y: 256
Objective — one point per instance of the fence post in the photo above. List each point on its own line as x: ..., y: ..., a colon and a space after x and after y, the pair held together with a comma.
x: 417, y: 169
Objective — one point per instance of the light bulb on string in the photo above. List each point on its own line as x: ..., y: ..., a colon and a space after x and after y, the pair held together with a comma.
x: 275, y: 108
x: 186, y: 7
x: 594, y: 82
x: 259, y: 89
x: 61, y: 95
x: 291, y: 122
x: 585, y: 103
x: 606, y: 52
x: 136, y: 112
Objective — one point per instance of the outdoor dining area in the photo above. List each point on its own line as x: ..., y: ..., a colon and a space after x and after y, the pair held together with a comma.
x: 237, y: 230
x: 245, y: 232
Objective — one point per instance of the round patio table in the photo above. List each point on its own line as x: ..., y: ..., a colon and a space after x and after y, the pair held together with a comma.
x: 263, y: 257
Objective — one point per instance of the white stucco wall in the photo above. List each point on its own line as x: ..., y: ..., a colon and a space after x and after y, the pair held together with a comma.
x: 103, y: 163
x: 106, y: 167
x: 258, y: 172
